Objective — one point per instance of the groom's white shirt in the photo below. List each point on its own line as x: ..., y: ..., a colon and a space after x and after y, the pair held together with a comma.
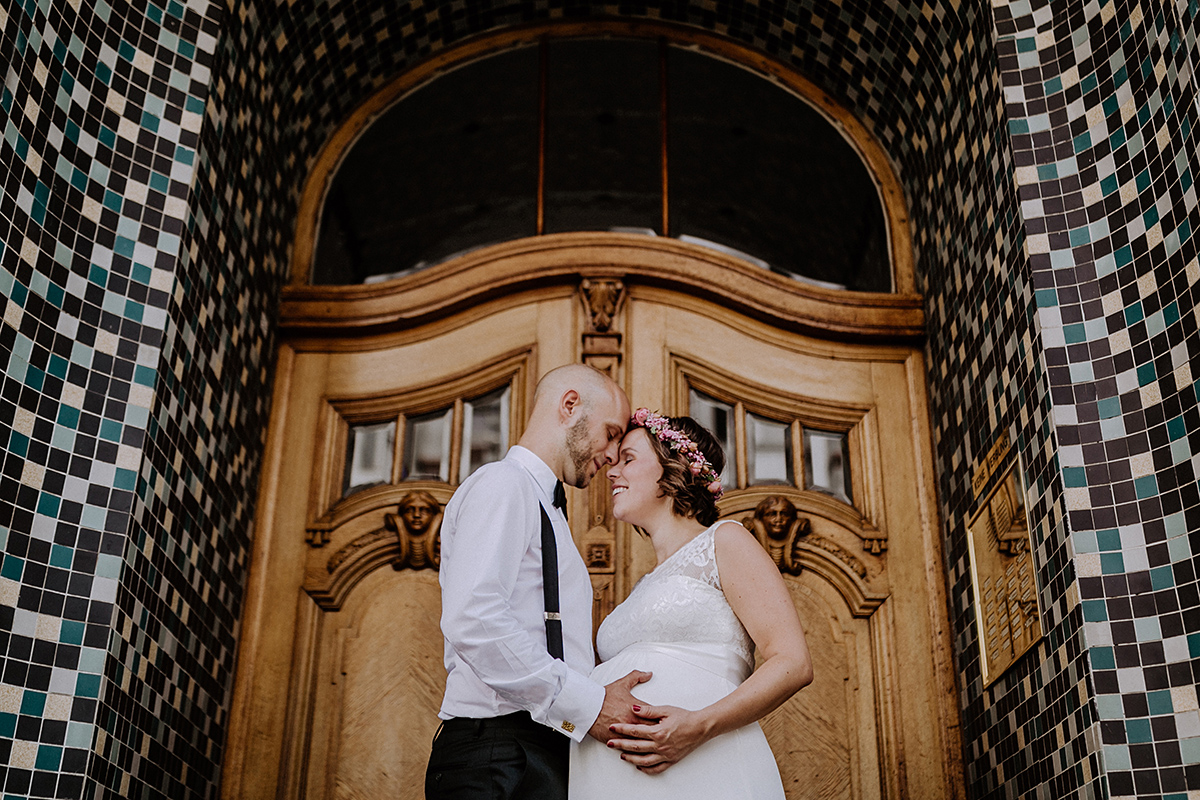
x: 492, y: 603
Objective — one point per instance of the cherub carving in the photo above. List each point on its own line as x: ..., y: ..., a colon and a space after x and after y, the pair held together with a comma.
x: 779, y: 528
x: 417, y: 528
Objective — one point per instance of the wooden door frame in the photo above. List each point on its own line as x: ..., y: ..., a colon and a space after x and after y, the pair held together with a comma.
x: 473, y: 288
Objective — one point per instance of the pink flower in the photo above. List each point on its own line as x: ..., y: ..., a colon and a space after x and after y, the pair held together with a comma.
x: 696, y: 468
x: 639, y: 416
x: 715, y: 487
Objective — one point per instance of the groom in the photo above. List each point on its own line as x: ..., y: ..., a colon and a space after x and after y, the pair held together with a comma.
x: 510, y: 707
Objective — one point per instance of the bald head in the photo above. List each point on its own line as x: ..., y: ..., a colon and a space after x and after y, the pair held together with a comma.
x: 589, y: 382
x: 579, y: 415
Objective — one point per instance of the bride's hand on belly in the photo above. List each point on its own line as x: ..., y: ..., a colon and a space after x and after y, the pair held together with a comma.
x: 665, y: 735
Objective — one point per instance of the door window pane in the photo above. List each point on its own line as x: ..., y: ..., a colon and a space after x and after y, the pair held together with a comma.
x: 427, y: 447
x: 818, y: 218
x: 602, y: 128
x: 451, y: 167
x: 827, y: 463
x: 485, y: 431
x: 369, y: 451
x: 718, y: 418
x: 768, y: 450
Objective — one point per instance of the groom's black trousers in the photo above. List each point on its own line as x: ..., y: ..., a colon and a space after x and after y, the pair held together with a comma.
x: 501, y: 758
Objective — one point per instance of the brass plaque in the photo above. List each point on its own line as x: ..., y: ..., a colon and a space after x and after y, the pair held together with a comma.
x: 1002, y: 572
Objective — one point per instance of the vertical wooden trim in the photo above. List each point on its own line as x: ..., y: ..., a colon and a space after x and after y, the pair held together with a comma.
x: 456, y: 440
x: 398, y: 450
x: 543, y: 91
x: 740, y: 445
x: 662, y: 97
x: 948, y: 709
x: 297, y: 726
x: 255, y: 614
x: 797, y: 454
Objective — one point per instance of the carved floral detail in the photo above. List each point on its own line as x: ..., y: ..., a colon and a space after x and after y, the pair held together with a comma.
x: 601, y: 299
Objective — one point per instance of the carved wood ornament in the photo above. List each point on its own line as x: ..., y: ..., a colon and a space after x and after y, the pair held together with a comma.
x: 408, y: 539
x: 784, y: 534
x: 602, y: 347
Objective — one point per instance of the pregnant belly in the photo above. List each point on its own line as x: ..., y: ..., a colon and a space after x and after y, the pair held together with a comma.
x: 687, y: 676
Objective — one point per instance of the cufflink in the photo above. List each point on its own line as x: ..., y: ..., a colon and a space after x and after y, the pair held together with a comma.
x: 568, y: 727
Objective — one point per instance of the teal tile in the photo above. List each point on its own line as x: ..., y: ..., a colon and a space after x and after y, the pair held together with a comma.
x: 33, y: 703
x: 1171, y: 313
x: 125, y: 479
x: 87, y: 685
x: 1112, y: 563
x: 1103, y: 658
x: 1160, y: 702
x: 71, y: 632
x: 61, y: 556
x: 110, y: 430
x: 1146, y: 486
x: 1046, y: 298
x: 11, y: 566
x: 1096, y: 611
x: 1108, y: 539
x: 124, y: 246
x: 49, y: 757
x: 68, y: 416
x: 1137, y: 731
x: 48, y: 504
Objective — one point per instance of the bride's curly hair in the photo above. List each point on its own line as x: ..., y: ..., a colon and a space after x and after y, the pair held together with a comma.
x: 689, y: 493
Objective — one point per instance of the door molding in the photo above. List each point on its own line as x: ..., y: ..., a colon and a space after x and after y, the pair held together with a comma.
x: 562, y: 260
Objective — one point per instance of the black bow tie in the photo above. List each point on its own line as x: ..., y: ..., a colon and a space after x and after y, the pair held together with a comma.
x: 560, y: 498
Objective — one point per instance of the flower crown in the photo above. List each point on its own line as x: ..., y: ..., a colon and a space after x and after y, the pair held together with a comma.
x: 660, y: 426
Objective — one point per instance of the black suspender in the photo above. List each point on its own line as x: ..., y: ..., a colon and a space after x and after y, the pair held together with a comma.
x: 554, y: 637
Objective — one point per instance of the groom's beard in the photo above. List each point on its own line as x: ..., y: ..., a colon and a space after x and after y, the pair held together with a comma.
x: 579, y: 453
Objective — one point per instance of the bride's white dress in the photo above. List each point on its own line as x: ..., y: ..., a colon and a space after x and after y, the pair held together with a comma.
x: 677, y: 624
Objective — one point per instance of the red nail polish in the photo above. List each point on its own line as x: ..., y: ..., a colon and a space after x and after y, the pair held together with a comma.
x: 637, y: 708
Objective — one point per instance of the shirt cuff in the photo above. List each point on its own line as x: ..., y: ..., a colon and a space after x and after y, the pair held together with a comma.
x: 577, y: 706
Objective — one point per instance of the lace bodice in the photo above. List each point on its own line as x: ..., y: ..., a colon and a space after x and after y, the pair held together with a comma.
x: 680, y: 601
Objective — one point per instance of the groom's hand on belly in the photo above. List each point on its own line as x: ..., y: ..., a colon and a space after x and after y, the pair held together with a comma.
x: 618, y: 705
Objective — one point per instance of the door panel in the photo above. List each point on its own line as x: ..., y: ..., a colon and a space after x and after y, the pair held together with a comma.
x: 340, y: 697
x: 381, y: 682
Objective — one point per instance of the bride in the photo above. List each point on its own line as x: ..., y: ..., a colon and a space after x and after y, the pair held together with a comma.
x: 693, y: 622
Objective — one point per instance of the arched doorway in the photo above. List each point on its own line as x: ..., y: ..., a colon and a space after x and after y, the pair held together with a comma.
x: 818, y: 392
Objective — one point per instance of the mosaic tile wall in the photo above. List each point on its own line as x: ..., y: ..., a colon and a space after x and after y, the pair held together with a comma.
x: 143, y: 243
x: 1103, y: 111
x: 102, y: 107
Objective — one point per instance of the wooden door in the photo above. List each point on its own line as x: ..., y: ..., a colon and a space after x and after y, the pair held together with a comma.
x: 340, y: 668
